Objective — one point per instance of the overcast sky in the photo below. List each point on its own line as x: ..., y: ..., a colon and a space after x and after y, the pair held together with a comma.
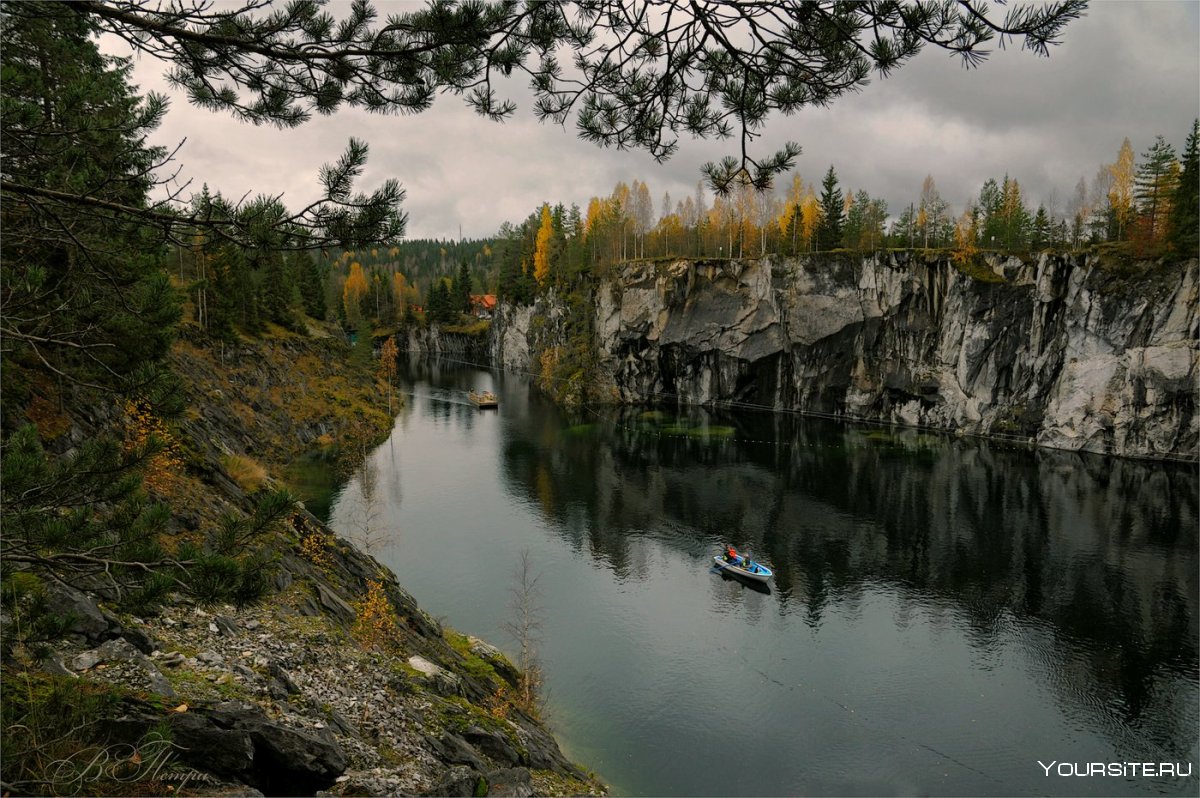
x: 1127, y: 69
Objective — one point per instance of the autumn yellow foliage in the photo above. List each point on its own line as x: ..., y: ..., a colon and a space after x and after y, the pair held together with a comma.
x: 499, y: 703
x: 375, y: 621
x: 1120, y: 195
x: 164, y: 469
x: 541, y: 255
x: 353, y: 291
x: 548, y: 361
x: 315, y: 546
x: 399, y: 285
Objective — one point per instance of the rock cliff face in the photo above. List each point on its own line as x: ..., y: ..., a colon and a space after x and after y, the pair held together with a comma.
x: 437, y: 342
x: 1059, y: 351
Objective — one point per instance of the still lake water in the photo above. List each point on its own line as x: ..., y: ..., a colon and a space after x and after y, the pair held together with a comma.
x: 945, y: 613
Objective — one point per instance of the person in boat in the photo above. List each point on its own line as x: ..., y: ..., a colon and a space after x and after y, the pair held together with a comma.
x: 731, y: 554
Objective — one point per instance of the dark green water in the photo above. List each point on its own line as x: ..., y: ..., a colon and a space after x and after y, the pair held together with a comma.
x: 945, y: 613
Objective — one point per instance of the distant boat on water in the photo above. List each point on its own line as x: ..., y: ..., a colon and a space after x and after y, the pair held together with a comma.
x: 485, y: 400
x: 743, y: 566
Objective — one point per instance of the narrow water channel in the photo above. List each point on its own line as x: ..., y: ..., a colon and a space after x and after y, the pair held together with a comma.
x: 947, y: 617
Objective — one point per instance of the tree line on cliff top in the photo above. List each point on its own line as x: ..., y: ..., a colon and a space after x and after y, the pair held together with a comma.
x: 1150, y: 207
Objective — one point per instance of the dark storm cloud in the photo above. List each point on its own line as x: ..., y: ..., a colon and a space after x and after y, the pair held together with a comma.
x: 1126, y: 70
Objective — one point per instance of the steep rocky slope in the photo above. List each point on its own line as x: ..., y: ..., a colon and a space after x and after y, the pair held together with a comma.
x: 338, y: 682
x: 1064, y: 351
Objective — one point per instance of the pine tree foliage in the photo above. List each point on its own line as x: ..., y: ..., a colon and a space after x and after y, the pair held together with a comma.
x: 1185, y: 205
x: 85, y: 521
x: 80, y: 294
x: 640, y: 73
x: 60, y: 93
x: 1155, y: 184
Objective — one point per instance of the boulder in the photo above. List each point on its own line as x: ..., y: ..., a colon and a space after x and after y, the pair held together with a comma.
x: 454, y: 750
x: 494, y: 657
x: 442, y: 681
x: 239, y: 741
x: 116, y: 650
x: 333, y: 604
x: 227, y: 752
x: 225, y: 625
x: 88, y: 623
x: 511, y: 782
x: 459, y: 781
x: 494, y: 744
x: 282, y: 678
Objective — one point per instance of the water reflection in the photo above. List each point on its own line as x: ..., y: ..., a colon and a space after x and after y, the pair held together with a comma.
x: 1094, y: 560
x: 945, y: 612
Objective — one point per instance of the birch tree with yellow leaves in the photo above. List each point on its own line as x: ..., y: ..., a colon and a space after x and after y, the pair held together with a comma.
x: 1120, y: 194
x: 353, y: 291
x: 811, y: 215
x: 541, y: 252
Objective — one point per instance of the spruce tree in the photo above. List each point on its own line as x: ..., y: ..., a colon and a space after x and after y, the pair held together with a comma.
x: 84, y: 294
x: 441, y: 304
x: 990, y: 208
x: 311, y: 275
x: 1185, y: 204
x: 829, y: 233
x: 1014, y: 217
x: 278, y: 290
x: 1154, y: 185
x: 462, y: 289
x: 1040, y: 233
x: 856, y: 220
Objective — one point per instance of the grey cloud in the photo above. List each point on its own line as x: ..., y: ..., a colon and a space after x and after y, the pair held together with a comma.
x: 1126, y: 70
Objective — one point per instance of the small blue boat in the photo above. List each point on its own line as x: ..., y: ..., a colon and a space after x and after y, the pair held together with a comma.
x: 744, y: 566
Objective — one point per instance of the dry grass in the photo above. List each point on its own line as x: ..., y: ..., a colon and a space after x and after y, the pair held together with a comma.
x: 245, y: 471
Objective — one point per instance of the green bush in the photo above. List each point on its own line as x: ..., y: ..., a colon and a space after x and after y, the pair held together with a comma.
x: 56, y: 742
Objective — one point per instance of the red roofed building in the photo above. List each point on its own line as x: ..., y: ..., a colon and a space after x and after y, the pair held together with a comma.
x: 483, y: 305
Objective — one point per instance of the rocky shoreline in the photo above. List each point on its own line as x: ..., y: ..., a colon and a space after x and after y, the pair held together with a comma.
x: 336, y: 684
x: 283, y: 699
